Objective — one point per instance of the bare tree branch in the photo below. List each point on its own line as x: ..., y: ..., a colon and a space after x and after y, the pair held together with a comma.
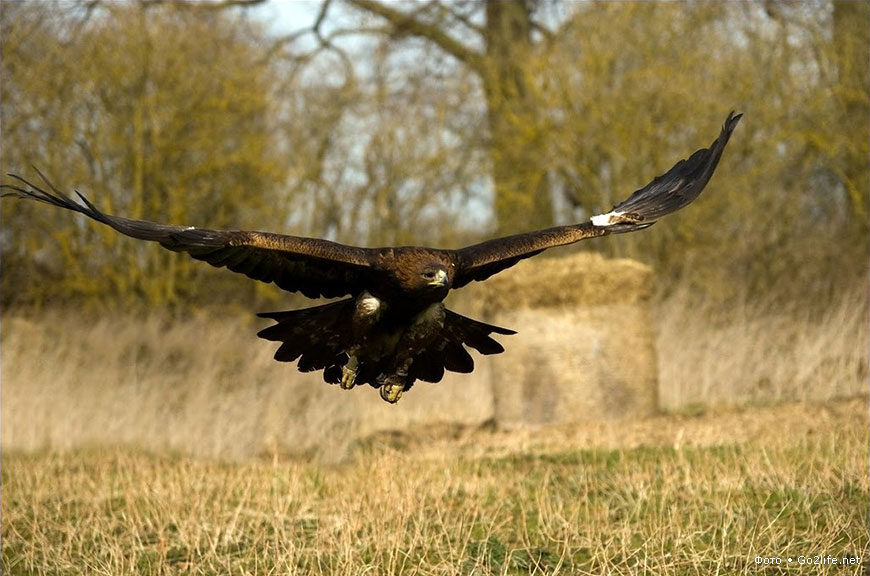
x: 466, y: 21
x: 407, y: 23
x: 205, y: 5
x: 324, y: 42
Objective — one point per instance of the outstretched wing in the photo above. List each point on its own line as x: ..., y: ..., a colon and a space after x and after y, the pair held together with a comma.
x: 665, y: 194
x: 313, y: 267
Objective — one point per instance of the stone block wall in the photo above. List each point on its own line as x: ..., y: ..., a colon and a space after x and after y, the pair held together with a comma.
x: 585, y: 347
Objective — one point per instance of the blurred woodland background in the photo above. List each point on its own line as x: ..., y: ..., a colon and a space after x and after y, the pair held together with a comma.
x: 445, y: 123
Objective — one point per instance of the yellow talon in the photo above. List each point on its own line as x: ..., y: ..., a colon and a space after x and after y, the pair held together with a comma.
x: 392, y: 391
x: 348, y: 373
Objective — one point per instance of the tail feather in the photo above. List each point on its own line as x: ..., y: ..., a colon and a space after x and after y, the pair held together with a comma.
x: 457, y: 358
x: 448, y: 351
x: 318, y: 338
x: 474, y: 333
x: 428, y: 366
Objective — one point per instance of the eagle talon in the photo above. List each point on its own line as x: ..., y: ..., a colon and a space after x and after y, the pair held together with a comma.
x: 391, y: 391
x: 348, y: 373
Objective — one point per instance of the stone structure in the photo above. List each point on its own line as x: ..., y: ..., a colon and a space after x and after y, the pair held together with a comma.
x: 584, y: 348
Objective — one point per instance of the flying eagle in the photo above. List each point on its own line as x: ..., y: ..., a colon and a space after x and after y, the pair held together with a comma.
x: 393, y: 329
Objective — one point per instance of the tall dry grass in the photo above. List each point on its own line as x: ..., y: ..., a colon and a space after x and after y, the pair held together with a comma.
x: 206, y: 385
x: 762, y: 349
x: 201, y: 385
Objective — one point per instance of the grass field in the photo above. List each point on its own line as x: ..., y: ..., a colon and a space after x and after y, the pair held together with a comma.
x: 684, y: 494
x: 764, y: 454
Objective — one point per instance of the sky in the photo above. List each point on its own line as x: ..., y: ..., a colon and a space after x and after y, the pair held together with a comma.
x: 290, y: 15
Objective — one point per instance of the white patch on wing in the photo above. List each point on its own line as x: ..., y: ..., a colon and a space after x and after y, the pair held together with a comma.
x: 605, y: 219
x: 369, y: 304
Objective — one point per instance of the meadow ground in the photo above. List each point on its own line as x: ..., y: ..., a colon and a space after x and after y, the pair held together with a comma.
x: 760, y: 457
x: 701, y: 493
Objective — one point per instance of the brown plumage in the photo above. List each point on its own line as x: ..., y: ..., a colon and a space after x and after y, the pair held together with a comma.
x: 394, y: 328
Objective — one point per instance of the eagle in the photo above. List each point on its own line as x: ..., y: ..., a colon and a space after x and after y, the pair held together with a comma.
x: 392, y: 327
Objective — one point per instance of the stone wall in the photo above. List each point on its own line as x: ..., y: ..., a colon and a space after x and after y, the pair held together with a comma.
x: 584, y: 348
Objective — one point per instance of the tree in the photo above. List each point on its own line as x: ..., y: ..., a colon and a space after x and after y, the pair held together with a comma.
x: 154, y: 112
x: 504, y: 66
x: 168, y: 109
x: 780, y: 206
x: 851, y: 30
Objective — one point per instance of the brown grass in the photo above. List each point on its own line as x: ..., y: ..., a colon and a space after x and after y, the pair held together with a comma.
x: 704, y: 489
x: 207, y: 386
x: 71, y: 381
x: 682, y: 496
x: 762, y: 350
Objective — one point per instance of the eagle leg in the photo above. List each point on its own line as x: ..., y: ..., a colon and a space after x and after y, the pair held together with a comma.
x: 392, y: 388
x: 348, y: 373
x: 423, y: 331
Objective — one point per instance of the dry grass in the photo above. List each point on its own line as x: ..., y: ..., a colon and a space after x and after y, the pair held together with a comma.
x: 762, y: 350
x: 702, y: 490
x: 207, y: 386
x: 202, y: 386
x: 684, y: 497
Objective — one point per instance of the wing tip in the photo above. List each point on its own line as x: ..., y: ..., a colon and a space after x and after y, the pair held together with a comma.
x: 728, y: 127
x: 671, y: 191
x: 51, y: 196
x: 733, y: 119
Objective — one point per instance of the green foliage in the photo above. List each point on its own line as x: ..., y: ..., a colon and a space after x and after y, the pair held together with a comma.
x: 628, y: 103
x: 153, y: 113
x: 848, y: 147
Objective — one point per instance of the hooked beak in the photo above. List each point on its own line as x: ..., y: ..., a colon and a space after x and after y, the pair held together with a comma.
x: 440, y: 279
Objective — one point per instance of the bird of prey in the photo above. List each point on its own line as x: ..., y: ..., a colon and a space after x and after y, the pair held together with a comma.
x: 393, y: 329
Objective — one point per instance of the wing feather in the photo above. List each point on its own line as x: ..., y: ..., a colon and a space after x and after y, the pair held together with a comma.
x: 317, y: 267
x: 665, y: 194
x: 296, y: 264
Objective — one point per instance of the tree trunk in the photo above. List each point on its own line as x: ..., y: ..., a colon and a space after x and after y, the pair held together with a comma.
x: 852, y: 42
x: 522, y: 198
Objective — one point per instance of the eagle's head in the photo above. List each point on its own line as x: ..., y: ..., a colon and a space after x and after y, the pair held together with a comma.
x: 435, y: 276
x: 422, y: 273
x: 432, y: 281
